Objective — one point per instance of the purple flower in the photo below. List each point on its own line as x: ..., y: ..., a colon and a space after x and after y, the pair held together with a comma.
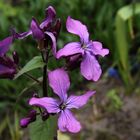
x: 5, y: 45
x: 7, y: 67
x: 59, y: 82
x: 47, y: 30
x: 24, y: 122
x: 90, y: 67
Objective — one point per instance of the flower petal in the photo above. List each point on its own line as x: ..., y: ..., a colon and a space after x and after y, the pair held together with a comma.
x: 24, y: 122
x: 5, y: 45
x: 97, y: 49
x: 7, y: 68
x: 50, y: 104
x: 50, y: 15
x: 20, y: 35
x: 76, y: 27
x: 67, y: 122
x: 36, y: 31
x: 50, y: 12
x: 70, y: 49
x: 59, y: 82
x: 90, y: 67
x: 53, y: 41
x: 79, y: 101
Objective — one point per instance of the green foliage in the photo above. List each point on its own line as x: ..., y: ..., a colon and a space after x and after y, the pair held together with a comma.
x: 35, y: 63
x: 123, y: 40
x: 115, y: 102
x: 43, y: 130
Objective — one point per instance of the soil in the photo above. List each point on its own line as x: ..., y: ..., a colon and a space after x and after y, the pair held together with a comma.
x: 100, y: 124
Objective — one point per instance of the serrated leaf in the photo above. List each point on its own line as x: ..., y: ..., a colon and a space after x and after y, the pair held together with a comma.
x: 35, y: 63
x: 43, y: 130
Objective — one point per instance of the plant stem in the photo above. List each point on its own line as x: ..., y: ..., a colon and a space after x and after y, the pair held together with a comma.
x: 29, y: 76
x: 32, y: 78
x: 45, y: 92
x: 45, y: 75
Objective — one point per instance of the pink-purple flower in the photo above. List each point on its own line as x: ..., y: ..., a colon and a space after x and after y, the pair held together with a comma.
x: 7, y: 67
x: 60, y: 83
x: 24, y: 122
x: 90, y: 68
x: 44, y: 33
x: 5, y: 45
x: 47, y: 31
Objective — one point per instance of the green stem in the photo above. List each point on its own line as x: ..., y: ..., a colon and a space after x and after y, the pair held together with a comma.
x: 32, y: 78
x: 45, y: 92
x: 29, y: 76
x: 45, y: 74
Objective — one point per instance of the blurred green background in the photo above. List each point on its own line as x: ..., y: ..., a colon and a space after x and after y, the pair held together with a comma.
x: 116, y: 23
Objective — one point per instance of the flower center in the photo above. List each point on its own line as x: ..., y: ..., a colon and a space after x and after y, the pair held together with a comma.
x: 62, y: 106
x: 84, y: 46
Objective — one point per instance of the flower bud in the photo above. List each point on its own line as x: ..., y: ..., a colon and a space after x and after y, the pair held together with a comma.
x: 27, y: 120
x: 24, y: 122
x: 16, y: 57
x: 7, y: 68
x: 45, y: 115
x: 73, y: 62
x: 57, y: 27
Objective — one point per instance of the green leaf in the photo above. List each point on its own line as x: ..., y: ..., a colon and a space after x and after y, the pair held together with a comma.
x: 33, y: 84
x: 128, y: 11
x: 43, y: 130
x: 3, y: 125
x: 123, y: 40
x: 35, y: 63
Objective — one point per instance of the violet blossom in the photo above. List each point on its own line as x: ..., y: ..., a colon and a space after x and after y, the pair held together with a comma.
x: 90, y: 68
x: 24, y: 122
x: 60, y: 83
x: 46, y: 32
x: 5, y: 45
x: 7, y: 67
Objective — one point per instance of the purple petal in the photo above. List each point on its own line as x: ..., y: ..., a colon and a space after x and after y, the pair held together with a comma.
x: 50, y: 12
x: 67, y: 122
x: 70, y: 49
x: 50, y: 104
x: 53, y: 41
x: 36, y: 31
x: 24, y: 122
x: 6, y: 72
x: 21, y: 35
x: 97, y: 49
x: 90, y: 67
x: 7, y: 68
x: 79, y: 101
x: 50, y: 15
x: 5, y: 45
x: 76, y: 27
x: 59, y: 82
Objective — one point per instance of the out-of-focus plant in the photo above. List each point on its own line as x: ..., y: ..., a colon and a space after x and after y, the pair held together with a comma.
x: 114, y: 101
x: 124, y: 35
x: 12, y: 128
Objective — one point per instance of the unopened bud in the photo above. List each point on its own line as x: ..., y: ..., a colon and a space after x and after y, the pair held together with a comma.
x: 16, y: 57
x: 45, y: 115
x: 27, y: 120
x: 57, y: 27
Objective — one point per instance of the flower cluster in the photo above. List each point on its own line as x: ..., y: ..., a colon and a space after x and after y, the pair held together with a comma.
x: 83, y: 52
